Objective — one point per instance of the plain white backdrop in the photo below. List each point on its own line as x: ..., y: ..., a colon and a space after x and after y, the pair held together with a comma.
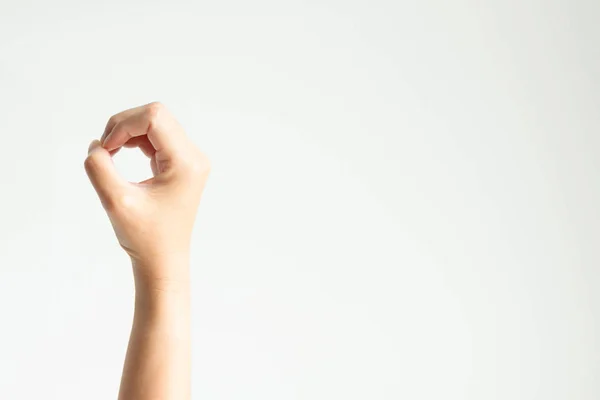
x: 403, y: 204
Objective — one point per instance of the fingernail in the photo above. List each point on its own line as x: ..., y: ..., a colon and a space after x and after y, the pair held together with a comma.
x: 105, y: 139
x: 93, y: 145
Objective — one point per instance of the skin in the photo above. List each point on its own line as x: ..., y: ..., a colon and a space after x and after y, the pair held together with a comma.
x: 153, y: 222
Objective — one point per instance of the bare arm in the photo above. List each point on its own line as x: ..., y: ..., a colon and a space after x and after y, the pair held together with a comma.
x: 157, y: 365
x: 153, y: 221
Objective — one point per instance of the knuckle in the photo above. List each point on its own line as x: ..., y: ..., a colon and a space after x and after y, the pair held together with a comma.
x: 154, y: 109
x: 119, y: 202
x: 112, y: 121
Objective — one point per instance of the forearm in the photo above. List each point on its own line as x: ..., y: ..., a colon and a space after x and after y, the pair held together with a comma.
x: 158, y: 365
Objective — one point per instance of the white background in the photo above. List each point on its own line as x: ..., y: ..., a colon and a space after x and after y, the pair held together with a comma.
x: 404, y: 201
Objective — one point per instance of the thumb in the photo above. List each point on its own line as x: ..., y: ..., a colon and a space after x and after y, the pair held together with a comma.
x: 103, y: 175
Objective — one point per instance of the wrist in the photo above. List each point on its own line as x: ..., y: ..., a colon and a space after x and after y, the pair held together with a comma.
x: 165, y: 273
x: 162, y: 280
x: 163, y: 301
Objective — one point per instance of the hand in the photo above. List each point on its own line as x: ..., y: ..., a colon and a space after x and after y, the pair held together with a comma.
x: 152, y: 219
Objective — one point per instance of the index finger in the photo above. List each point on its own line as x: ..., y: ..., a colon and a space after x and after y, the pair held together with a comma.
x: 153, y: 120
